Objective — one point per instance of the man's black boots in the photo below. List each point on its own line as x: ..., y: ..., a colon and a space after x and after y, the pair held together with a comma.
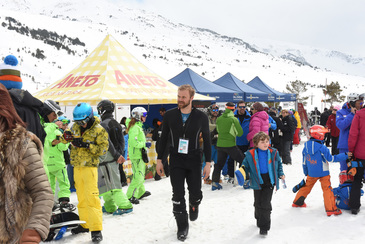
x: 182, y: 226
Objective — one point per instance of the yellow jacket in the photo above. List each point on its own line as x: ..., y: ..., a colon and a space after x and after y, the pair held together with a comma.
x: 297, y: 117
x: 97, y: 136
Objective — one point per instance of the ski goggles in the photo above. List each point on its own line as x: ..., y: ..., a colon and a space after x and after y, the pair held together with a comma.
x: 82, y: 122
x: 144, y: 114
x: 54, y: 109
x: 64, y: 121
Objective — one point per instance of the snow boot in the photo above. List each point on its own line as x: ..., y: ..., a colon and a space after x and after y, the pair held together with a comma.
x: 355, y: 211
x: 230, y: 180
x: 334, y: 212
x: 193, y: 212
x: 263, y: 232
x: 79, y: 230
x: 216, y: 186
x: 299, y: 203
x: 182, y: 226
x: 96, y: 236
x: 134, y: 200
x: 145, y: 194
x: 122, y: 211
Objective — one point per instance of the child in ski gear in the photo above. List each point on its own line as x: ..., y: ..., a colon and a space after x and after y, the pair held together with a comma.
x: 90, y: 141
x: 137, y: 141
x: 54, y: 162
x: 264, y: 167
x: 316, y: 157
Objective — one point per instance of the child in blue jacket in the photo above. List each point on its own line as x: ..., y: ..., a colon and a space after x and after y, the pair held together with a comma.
x: 264, y: 167
x: 316, y: 157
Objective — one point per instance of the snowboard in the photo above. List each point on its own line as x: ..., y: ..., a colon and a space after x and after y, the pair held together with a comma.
x: 61, y: 222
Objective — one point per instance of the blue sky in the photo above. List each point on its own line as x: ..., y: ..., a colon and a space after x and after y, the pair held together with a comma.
x: 332, y: 24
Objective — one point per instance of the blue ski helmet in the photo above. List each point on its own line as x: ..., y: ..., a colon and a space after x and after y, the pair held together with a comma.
x: 82, y: 111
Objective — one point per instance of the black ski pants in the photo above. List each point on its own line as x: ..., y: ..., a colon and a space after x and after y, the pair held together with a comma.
x: 262, y: 203
x: 185, y: 169
x: 223, y: 152
x: 230, y: 162
x: 355, y: 192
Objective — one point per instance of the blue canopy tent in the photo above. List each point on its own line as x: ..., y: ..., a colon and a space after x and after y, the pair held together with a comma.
x: 205, y: 87
x: 250, y: 94
x: 258, y: 84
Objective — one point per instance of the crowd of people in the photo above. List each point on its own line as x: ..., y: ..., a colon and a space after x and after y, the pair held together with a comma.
x: 250, y: 143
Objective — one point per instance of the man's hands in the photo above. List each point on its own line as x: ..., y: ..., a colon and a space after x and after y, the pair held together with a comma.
x: 206, y: 170
x: 159, y: 167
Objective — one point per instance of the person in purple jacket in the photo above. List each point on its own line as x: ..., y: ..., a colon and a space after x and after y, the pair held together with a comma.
x: 344, y: 119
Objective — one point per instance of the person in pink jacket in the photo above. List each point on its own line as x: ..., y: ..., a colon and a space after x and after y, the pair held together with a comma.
x: 259, y: 122
x: 356, y: 144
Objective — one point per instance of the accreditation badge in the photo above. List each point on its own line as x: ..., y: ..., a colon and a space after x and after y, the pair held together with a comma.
x: 183, y: 146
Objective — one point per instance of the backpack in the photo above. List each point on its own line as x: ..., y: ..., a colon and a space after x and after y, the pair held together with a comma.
x: 342, y: 195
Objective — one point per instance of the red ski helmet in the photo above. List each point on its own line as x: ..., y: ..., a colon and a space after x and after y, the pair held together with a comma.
x: 345, y: 178
x: 318, y: 132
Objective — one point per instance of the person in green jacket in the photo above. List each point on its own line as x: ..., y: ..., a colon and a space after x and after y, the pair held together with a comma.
x: 228, y: 128
x: 55, y: 165
x: 137, y: 141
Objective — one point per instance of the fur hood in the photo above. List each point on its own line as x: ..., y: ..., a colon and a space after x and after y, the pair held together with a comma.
x: 15, y: 201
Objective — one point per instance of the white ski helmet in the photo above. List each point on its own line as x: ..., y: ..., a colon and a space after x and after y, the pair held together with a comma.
x: 138, y: 112
x: 353, y: 97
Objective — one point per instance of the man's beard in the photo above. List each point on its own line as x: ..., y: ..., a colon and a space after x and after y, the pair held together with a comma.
x: 182, y: 105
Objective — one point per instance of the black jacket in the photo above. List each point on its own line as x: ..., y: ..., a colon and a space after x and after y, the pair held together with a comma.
x: 28, y: 109
x: 173, y: 126
x: 115, y: 132
x: 287, y: 127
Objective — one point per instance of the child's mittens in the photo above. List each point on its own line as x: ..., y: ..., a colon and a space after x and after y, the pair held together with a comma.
x: 241, y: 175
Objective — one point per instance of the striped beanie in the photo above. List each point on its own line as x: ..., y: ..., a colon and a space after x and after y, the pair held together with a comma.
x: 10, y: 73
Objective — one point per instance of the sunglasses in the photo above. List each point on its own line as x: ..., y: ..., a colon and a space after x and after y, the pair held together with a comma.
x: 242, y: 106
x: 215, y: 110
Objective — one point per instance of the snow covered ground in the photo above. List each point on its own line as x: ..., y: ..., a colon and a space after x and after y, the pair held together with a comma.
x: 226, y: 216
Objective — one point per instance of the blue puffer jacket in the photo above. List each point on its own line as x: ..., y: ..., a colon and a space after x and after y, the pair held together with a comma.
x: 272, y: 123
x: 275, y: 167
x: 316, y: 157
x: 242, y: 140
x: 344, y: 119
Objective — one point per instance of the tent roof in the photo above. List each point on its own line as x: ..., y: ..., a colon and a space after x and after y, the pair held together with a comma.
x: 262, y: 86
x: 204, y: 86
x: 250, y: 94
x: 111, y: 72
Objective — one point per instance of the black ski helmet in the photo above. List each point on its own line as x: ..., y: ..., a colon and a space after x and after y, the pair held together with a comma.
x: 105, y: 106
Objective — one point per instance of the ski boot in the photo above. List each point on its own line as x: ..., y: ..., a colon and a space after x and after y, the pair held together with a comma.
x: 216, y: 186
x: 182, y: 226
x: 145, y: 194
x: 134, y: 200
x: 96, y: 236
x: 193, y: 212
x: 122, y: 211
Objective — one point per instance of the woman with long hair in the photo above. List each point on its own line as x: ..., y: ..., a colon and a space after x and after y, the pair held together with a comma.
x: 26, y: 194
x: 136, y: 143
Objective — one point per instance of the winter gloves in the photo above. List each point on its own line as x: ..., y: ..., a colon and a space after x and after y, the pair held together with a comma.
x: 78, y: 142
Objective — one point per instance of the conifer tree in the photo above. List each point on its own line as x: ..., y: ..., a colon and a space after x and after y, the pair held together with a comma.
x: 333, y: 92
x: 298, y: 87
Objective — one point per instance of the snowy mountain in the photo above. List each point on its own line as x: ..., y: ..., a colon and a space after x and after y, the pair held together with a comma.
x: 52, y: 37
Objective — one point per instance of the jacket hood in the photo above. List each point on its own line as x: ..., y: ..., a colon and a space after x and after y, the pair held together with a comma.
x: 24, y: 98
x: 312, y: 146
x: 228, y: 113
